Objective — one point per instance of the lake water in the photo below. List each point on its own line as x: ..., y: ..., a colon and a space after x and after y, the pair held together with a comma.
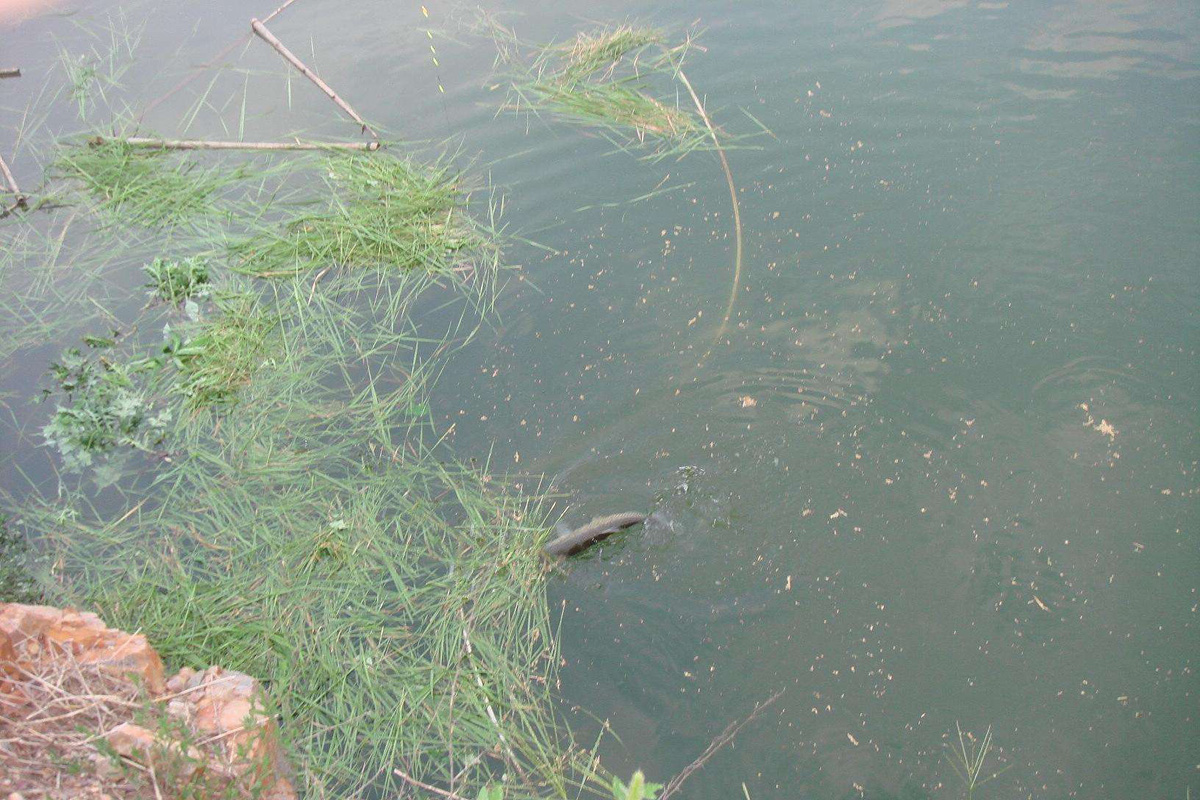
x: 942, y: 466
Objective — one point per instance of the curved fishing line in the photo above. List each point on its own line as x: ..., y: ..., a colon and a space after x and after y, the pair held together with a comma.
x: 737, y: 215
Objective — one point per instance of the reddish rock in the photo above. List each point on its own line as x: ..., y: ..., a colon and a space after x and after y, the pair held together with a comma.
x: 235, y: 740
x: 8, y: 658
x: 86, y: 637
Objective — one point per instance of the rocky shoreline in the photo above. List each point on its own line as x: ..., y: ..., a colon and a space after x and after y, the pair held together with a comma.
x: 89, y: 712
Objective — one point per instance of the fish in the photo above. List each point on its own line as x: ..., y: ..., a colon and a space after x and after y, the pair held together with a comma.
x: 587, y: 535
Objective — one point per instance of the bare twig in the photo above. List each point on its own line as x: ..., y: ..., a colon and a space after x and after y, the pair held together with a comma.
x: 724, y: 738
x: 12, y: 183
x: 202, y: 144
x: 288, y: 56
x: 10, y: 72
x: 491, y: 713
x: 427, y: 787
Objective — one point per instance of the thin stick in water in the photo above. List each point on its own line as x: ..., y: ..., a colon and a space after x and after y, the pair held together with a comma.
x: 427, y: 787
x: 725, y: 737
x: 288, y: 56
x: 11, y: 182
x: 737, y: 214
x: 202, y: 144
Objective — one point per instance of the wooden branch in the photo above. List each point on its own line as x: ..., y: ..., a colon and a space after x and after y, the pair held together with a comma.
x: 12, y: 184
x: 427, y: 787
x: 10, y: 72
x: 288, y: 56
x: 200, y: 144
x: 724, y: 738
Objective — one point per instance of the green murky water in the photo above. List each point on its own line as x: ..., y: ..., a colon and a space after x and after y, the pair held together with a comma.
x: 941, y: 468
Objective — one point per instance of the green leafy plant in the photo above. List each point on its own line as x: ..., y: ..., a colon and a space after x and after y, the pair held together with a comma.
x: 175, y: 282
x: 637, y: 788
x: 968, y: 762
x: 105, y: 405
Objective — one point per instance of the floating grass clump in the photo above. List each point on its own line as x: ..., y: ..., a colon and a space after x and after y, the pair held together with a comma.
x: 591, y: 51
x: 602, y: 78
x: 140, y: 185
x: 176, y: 281
x: 384, y: 212
x: 223, y: 352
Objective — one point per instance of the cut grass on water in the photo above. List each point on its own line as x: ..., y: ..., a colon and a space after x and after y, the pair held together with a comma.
x: 602, y: 78
x: 383, y: 212
x: 392, y: 604
x: 299, y: 527
x: 224, y: 351
x: 139, y: 185
x: 592, y: 51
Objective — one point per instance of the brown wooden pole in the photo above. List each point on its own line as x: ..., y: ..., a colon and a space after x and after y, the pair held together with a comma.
x: 10, y: 72
x: 12, y: 182
x: 288, y: 56
x: 201, y: 144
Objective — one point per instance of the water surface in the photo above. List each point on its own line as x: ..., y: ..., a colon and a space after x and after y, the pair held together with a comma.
x: 942, y: 467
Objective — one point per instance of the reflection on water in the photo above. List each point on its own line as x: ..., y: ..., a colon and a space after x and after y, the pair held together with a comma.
x: 1103, y: 39
x: 13, y: 11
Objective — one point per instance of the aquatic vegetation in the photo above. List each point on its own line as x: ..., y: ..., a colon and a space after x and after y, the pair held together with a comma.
x: 366, y: 586
x: 638, y: 788
x: 223, y: 351
x: 139, y: 185
x: 17, y: 584
x: 591, y: 51
x: 300, y: 528
x: 968, y: 763
x: 176, y: 281
x: 383, y: 212
x: 105, y: 404
x: 601, y: 78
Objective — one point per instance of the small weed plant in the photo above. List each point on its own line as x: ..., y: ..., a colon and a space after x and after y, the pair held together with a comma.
x: 174, y: 282
x: 970, y: 761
